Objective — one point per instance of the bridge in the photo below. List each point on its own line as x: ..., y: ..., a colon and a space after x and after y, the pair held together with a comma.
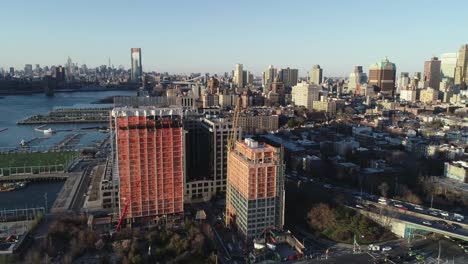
x: 403, y: 222
x: 37, y: 177
x: 190, y: 81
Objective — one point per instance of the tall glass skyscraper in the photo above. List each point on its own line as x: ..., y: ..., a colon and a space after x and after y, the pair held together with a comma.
x: 449, y: 62
x: 137, y: 70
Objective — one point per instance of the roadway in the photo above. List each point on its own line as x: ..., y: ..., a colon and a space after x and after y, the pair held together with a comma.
x: 435, y: 220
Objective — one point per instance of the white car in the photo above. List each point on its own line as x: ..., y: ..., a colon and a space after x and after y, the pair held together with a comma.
x: 427, y: 223
x: 359, y: 206
x: 398, y: 205
x: 444, y: 214
x: 328, y: 186
x: 419, y: 208
x: 386, y: 248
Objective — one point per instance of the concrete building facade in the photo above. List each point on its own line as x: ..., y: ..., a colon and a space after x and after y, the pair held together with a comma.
x: 382, y: 75
x: 255, y: 188
x: 457, y: 170
x: 461, y: 71
x: 316, y: 75
x: 432, y: 73
x: 304, y: 94
x: 206, y: 157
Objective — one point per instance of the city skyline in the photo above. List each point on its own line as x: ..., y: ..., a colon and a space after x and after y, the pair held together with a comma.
x: 216, y: 42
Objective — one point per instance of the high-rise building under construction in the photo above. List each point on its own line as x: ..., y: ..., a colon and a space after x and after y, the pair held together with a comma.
x: 255, y: 188
x: 148, y: 146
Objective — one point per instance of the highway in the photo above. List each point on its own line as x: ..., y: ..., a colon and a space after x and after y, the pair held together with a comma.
x: 435, y: 220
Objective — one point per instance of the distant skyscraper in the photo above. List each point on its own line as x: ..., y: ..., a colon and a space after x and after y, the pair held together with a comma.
x: 316, y: 75
x: 304, y: 94
x: 289, y: 76
x: 255, y: 188
x: 69, y: 68
x: 60, y: 75
x: 148, y: 148
x: 448, y: 65
x: 28, y: 70
x: 432, y: 73
x: 356, y: 79
x: 461, y: 71
x: 12, y: 71
x: 137, y: 70
x: 382, y: 75
x: 249, y: 78
x: 269, y: 76
x: 239, y: 75
x: 403, y: 81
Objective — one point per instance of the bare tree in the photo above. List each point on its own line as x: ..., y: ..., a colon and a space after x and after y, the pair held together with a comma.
x: 383, y: 187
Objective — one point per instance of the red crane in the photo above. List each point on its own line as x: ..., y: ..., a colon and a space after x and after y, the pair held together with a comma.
x: 124, y: 212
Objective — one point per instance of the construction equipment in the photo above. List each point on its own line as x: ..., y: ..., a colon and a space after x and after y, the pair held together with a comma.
x: 235, y: 120
x: 124, y: 212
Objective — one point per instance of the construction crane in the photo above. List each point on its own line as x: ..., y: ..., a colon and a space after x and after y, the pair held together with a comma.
x: 124, y: 212
x: 235, y: 120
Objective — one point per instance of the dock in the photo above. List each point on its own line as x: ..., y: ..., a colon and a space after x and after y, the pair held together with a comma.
x: 80, y: 113
x: 37, y: 177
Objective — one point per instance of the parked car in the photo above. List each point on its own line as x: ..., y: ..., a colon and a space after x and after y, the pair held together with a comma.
x: 419, y: 208
x: 386, y: 248
x: 427, y: 223
x: 434, y: 213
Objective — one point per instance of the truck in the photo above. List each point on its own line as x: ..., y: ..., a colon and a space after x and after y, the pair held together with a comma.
x: 372, y: 247
x: 383, y: 201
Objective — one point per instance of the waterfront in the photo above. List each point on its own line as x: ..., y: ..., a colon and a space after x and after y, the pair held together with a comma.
x: 14, y: 108
x: 31, y: 196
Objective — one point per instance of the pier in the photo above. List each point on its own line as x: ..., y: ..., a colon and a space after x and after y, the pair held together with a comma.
x: 68, y: 142
x: 80, y: 113
x: 37, y: 177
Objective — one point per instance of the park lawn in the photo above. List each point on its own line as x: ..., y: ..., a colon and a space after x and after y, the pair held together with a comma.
x: 36, y: 159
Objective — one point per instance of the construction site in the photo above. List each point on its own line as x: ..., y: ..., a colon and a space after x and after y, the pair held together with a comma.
x: 149, y: 151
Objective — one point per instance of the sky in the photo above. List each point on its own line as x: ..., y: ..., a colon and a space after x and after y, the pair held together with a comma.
x: 180, y: 36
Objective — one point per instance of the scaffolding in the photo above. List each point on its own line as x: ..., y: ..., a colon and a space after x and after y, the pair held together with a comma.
x: 149, y: 153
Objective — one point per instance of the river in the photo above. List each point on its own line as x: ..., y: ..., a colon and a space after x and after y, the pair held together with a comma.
x: 17, y: 107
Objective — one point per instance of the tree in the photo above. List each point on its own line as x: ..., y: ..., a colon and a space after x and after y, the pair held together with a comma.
x: 292, y: 123
x: 383, y: 187
x: 321, y: 217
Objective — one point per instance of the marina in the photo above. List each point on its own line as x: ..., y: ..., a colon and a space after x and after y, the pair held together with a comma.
x: 25, y: 138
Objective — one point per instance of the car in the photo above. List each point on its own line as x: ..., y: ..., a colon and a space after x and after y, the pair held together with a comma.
x: 403, y: 208
x: 434, y: 213
x: 359, y: 206
x: 444, y: 214
x: 419, y: 208
x: 386, y: 248
x: 427, y: 223
x: 328, y: 186
x: 398, y: 205
x: 456, y: 226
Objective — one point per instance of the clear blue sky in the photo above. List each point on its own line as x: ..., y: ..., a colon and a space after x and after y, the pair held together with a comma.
x: 212, y: 35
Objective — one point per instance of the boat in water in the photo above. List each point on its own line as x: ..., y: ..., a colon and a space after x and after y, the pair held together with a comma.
x: 48, y: 131
x: 13, y: 186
